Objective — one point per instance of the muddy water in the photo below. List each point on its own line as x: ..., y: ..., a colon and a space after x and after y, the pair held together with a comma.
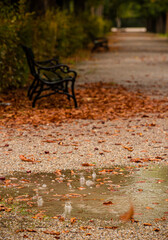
x: 90, y: 193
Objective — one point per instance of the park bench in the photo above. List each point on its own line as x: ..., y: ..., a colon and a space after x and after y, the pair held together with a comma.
x: 49, y: 77
x: 100, y: 43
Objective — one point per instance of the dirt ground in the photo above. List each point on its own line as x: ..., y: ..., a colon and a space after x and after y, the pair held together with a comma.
x: 138, y: 62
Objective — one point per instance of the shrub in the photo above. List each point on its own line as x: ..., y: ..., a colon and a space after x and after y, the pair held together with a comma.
x: 54, y: 33
x: 12, y: 30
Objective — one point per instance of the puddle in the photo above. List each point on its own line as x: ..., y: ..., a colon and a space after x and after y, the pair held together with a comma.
x: 93, y: 193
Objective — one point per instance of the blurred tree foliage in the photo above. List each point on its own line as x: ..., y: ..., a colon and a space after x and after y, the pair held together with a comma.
x: 62, y: 27
x: 50, y: 27
x: 154, y: 12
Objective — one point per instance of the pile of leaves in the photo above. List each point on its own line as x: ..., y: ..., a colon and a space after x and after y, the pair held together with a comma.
x: 95, y: 101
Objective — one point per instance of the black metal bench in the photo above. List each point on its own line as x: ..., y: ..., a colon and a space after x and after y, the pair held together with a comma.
x: 100, y: 43
x: 49, y: 77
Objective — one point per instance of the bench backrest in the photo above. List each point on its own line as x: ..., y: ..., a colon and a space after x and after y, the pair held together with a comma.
x: 30, y: 59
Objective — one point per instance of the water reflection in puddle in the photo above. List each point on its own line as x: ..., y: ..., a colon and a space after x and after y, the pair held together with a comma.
x: 91, y: 193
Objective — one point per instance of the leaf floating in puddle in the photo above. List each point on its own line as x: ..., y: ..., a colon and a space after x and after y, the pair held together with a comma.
x: 81, y: 188
x: 2, y: 178
x: 160, y: 181
x: 128, y: 215
x: 108, y: 203
x: 149, y: 208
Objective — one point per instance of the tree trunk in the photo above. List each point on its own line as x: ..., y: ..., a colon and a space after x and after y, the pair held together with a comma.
x: 79, y: 6
x: 166, y: 28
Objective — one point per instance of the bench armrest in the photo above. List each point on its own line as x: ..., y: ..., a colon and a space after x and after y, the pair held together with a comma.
x: 64, y: 68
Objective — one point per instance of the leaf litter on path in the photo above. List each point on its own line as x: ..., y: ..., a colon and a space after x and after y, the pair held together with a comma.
x: 106, y: 102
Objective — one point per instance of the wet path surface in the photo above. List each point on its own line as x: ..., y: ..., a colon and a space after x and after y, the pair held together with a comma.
x: 91, y: 194
x: 137, y: 61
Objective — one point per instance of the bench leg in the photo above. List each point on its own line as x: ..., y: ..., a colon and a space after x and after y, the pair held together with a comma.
x: 37, y: 95
x: 73, y: 94
x: 30, y: 88
x: 66, y: 90
x: 34, y: 90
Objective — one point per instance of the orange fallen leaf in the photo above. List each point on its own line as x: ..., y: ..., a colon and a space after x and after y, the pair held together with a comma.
x: 49, y: 141
x: 149, y: 208
x: 87, y: 164
x: 156, y: 229
x: 128, y: 215
x: 147, y: 224
x: 81, y: 188
x: 160, y: 181
x: 23, y: 158
x: 73, y: 220
x: 19, y: 230
x: 111, y: 227
x: 58, y: 172
x: 62, y: 219
x: 128, y: 148
x: 31, y: 230
x: 51, y: 232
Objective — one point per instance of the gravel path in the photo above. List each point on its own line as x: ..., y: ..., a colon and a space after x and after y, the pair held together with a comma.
x: 70, y: 145
x: 138, y: 62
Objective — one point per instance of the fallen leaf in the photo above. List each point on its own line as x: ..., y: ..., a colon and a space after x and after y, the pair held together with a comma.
x: 128, y: 148
x: 58, y: 172
x: 149, y: 208
x: 19, y: 230
x: 23, y: 158
x: 87, y: 164
x: 111, y: 227
x: 31, y: 230
x: 51, y: 232
x: 128, y: 215
x: 147, y: 224
x: 73, y: 220
x: 62, y: 219
x: 108, y: 203
x: 156, y: 229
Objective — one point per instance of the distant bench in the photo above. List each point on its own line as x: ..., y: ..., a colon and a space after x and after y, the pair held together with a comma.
x: 100, y: 43
x: 49, y: 77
